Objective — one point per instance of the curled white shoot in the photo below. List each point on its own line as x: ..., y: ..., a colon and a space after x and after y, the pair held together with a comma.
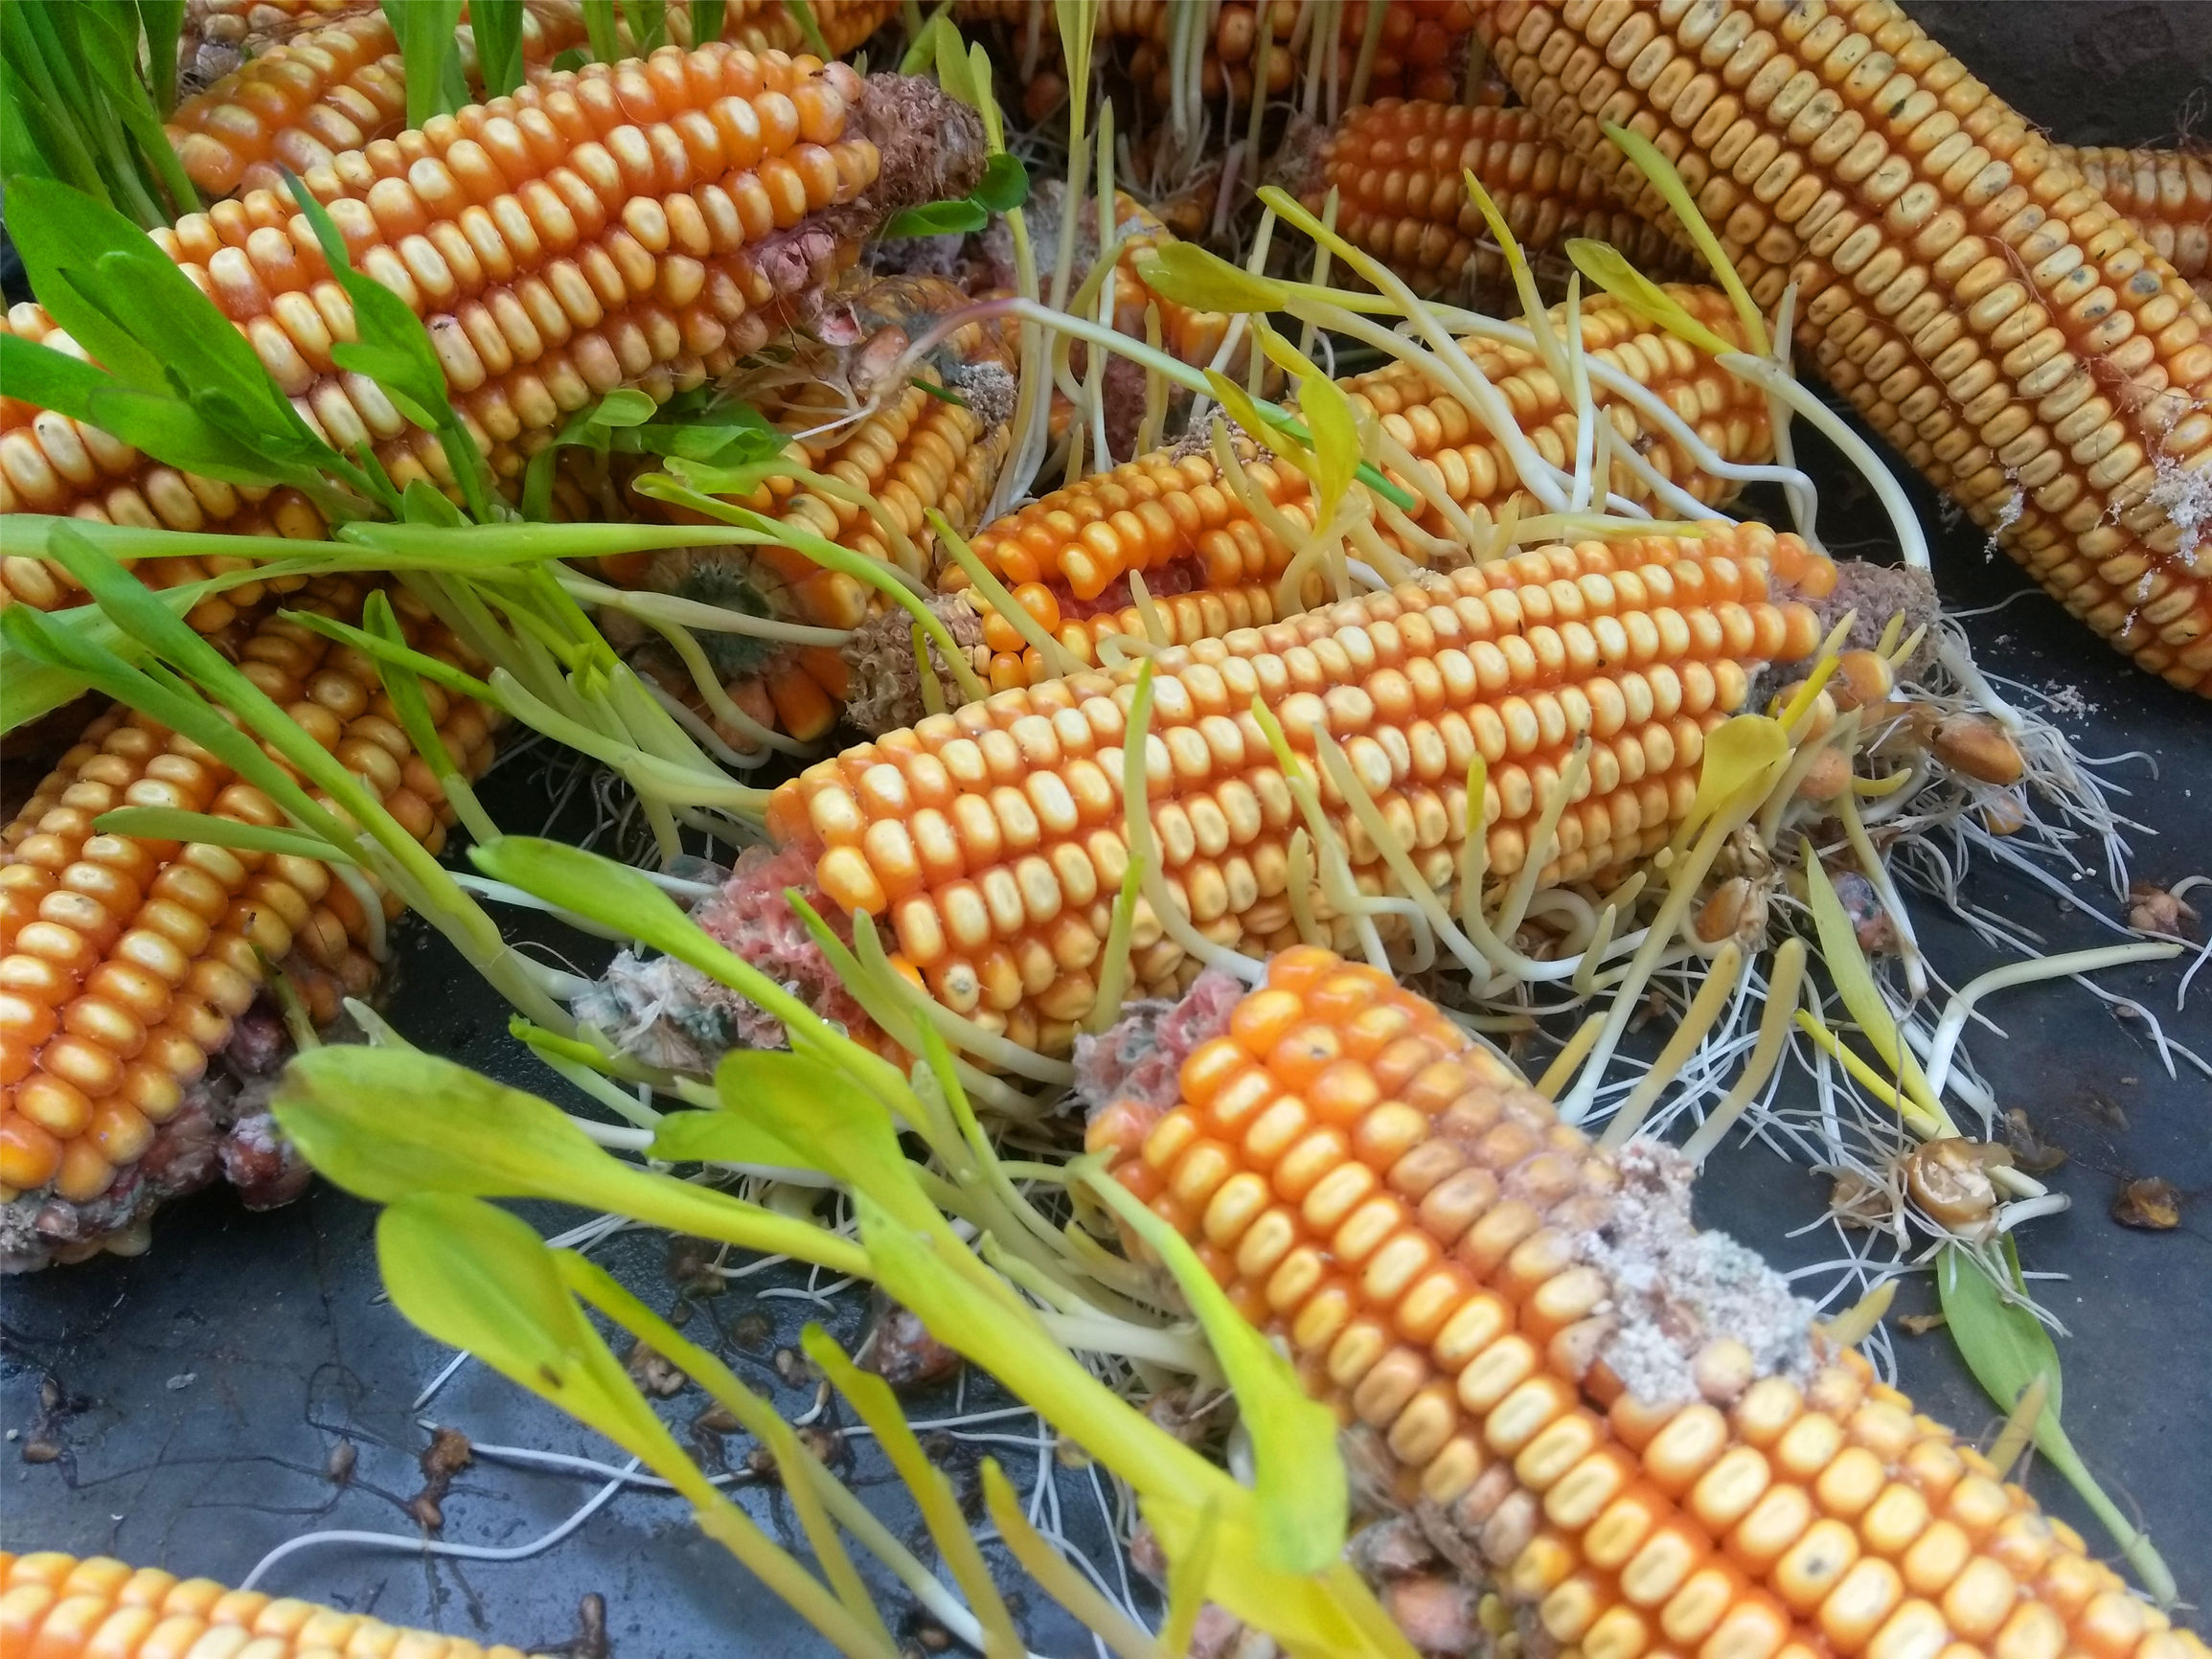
x: 1459, y: 372
x: 1770, y: 378
x: 1960, y: 1008
x: 704, y: 735
x: 673, y: 610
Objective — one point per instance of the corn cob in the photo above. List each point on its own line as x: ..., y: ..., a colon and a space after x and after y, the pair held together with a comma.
x: 57, y: 1607
x: 318, y: 93
x: 1463, y: 1278
x: 128, y: 961
x: 1987, y: 312
x: 919, y: 450
x: 1420, y: 55
x: 992, y: 839
x: 1187, y: 334
x: 1397, y: 170
x: 529, y: 236
x: 2166, y: 196
x: 1179, y: 524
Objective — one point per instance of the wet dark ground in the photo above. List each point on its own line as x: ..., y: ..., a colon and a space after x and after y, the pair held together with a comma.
x: 199, y: 1399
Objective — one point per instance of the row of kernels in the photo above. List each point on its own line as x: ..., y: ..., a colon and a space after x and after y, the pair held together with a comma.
x: 53, y: 1602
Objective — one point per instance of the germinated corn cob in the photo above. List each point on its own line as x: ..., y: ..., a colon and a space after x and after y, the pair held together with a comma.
x: 992, y: 839
x: 316, y: 95
x: 1397, y: 169
x: 1988, y: 312
x: 1180, y: 525
x: 129, y: 960
x: 920, y: 449
x: 1370, y: 1184
x: 1421, y: 52
x: 1187, y: 335
x: 2167, y: 196
x: 644, y: 224
x: 59, y: 1607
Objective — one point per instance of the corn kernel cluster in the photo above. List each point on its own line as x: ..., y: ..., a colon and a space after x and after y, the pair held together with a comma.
x: 1398, y: 170
x: 1158, y: 515
x: 319, y: 92
x: 58, y: 1607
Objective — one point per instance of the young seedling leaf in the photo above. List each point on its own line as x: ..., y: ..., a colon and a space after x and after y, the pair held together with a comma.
x: 427, y: 38
x: 170, y: 824
x: 498, y: 27
x: 937, y: 219
x: 851, y: 1620
x: 2006, y: 1347
x: 421, y: 503
x: 1610, y: 268
x: 871, y: 1396
x: 1655, y: 166
x: 1335, y: 429
x: 1188, y: 275
x: 1004, y: 185
x: 1737, y: 752
x: 1846, y: 961
x: 1303, y: 1493
x: 386, y: 1122
x: 803, y: 13
x: 722, y: 1137
x: 479, y: 1278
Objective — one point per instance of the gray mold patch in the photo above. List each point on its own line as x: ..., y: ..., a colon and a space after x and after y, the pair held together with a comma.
x: 1676, y: 1289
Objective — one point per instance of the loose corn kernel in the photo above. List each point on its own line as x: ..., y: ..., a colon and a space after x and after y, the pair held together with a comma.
x: 1771, y: 1527
x: 1986, y: 309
